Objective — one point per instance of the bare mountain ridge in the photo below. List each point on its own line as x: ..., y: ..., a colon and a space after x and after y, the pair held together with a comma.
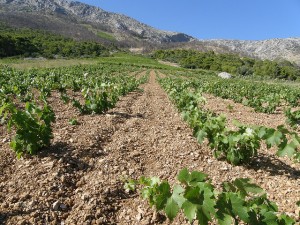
x: 273, y: 49
x: 85, y: 22
x: 122, y: 27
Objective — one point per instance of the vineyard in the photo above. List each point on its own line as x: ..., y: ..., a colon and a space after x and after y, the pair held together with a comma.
x: 143, y: 143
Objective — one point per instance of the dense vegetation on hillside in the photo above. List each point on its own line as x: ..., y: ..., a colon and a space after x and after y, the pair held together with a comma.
x: 33, y: 43
x: 230, y: 63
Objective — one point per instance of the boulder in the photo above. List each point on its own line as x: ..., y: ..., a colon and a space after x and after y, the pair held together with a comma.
x: 225, y: 75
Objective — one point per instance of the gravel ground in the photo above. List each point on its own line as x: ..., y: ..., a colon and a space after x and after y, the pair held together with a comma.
x: 79, y: 179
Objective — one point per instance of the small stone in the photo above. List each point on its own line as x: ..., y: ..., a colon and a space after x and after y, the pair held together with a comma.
x: 154, y: 217
x: 85, y: 197
x: 63, y: 206
x: 131, y: 171
x: 138, y: 217
x: 135, y: 154
x: 140, y: 210
x: 87, y: 217
x: 5, y: 205
x: 49, y: 165
x: 63, y: 179
x: 124, y: 173
x: 224, y: 169
x: 55, y: 205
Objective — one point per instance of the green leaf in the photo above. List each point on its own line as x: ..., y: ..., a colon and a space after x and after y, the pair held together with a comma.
x: 146, y: 193
x: 270, y: 218
x: 201, y: 136
x: 245, y: 187
x: 289, y: 149
x: 177, y: 195
x: 238, y: 207
x: 154, y: 180
x: 189, y: 210
x: 171, y: 208
x: 163, y: 195
x: 130, y: 185
x: 261, y: 131
x: 196, y: 177
x: 224, y: 219
x: 192, y: 194
x: 202, y: 217
x: 286, y: 220
x: 274, y: 139
x: 184, y: 176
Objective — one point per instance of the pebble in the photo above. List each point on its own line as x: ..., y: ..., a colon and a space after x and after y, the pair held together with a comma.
x: 138, y: 217
x: 85, y: 197
x: 55, y: 205
x: 131, y: 171
x: 62, y: 206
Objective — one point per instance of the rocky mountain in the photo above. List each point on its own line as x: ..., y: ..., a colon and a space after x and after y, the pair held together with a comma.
x: 83, y: 21
x: 273, y: 49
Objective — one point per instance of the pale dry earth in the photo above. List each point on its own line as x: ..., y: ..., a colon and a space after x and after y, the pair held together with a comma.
x: 79, y: 179
x: 244, y: 114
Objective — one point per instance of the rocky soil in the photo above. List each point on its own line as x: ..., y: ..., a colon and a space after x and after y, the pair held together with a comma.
x: 79, y: 179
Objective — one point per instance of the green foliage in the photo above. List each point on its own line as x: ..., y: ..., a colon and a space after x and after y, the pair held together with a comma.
x: 292, y: 117
x: 198, y: 199
x: 104, y: 96
x: 101, y: 86
x: 287, y: 142
x: 236, y: 146
x: 28, y: 42
x: 107, y: 36
x: 96, y: 101
x: 32, y: 125
x: 73, y: 121
x: 230, y: 63
x: 263, y: 97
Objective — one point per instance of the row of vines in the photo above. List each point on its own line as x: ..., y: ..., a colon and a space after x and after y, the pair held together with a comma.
x: 239, y: 200
x: 91, y: 89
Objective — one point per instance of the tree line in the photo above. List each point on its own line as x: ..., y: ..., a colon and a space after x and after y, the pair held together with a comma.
x: 230, y: 63
x: 35, y: 43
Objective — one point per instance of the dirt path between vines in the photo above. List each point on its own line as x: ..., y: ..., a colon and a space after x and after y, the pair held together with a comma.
x: 79, y: 180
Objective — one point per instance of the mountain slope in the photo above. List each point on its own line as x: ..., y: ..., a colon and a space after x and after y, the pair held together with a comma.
x: 84, y: 22
x: 273, y: 49
x: 88, y: 22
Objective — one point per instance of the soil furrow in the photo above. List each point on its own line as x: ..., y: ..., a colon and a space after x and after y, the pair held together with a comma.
x: 85, y: 170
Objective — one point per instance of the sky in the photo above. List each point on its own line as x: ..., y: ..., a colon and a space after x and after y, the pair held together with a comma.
x: 214, y: 19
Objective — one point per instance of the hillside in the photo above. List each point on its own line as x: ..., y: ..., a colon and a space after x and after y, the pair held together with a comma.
x: 231, y: 63
x: 273, y: 49
x: 82, y: 21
